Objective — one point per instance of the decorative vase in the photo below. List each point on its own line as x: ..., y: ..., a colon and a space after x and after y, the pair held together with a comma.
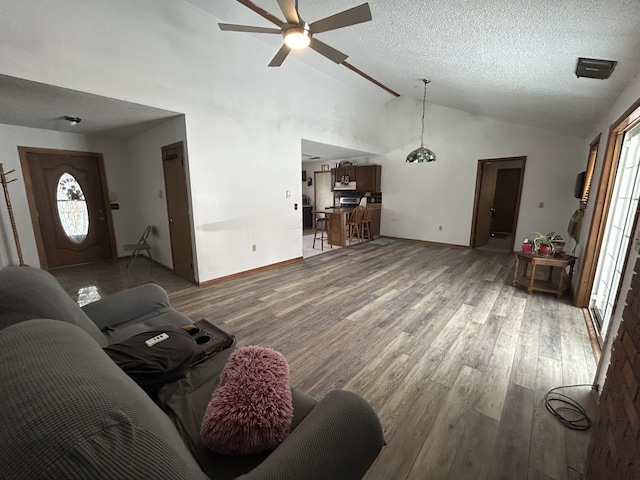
x: 527, y: 247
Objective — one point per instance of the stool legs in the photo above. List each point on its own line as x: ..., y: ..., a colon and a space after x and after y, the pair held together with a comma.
x: 321, y: 226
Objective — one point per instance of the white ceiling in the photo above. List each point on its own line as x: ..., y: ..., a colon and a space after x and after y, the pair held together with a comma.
x: 316, y: 151
x: 38, y: 105
x: 509, y: 59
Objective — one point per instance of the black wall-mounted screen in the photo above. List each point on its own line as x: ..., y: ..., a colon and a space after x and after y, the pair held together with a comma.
x: 577, y: 190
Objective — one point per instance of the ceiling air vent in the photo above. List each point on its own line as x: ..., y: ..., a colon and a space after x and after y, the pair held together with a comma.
x: 594, y: 68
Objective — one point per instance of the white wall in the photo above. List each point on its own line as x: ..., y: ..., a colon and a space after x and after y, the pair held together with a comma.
x: 418, y: 198
x: 244, y: 121
x: 147, y: 177
x: 118, y: 178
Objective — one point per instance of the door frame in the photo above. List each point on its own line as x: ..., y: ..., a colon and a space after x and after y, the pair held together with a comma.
x: 476, y: 199
x: 595, y: 237
x: 31, y: 198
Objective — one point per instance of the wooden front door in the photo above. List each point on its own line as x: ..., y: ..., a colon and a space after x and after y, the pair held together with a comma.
x: 175, y: 182
x: 69, y: 206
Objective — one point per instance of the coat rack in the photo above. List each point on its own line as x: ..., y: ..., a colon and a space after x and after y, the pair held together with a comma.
x: 5, y: 182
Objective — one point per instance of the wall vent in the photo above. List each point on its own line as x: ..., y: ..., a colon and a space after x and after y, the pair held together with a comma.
x: 594, y: 68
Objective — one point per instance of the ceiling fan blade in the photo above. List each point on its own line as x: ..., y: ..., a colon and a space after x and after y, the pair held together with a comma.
x: 359, y: 14
x: 280, y: 56
x: 247, y: 28
x: 289, y: 10
x: 331, y: 53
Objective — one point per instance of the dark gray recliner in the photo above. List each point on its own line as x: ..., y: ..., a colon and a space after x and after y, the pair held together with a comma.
x: 68, y: 411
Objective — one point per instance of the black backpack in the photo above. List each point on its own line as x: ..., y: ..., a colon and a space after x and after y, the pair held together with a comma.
x: 155, y: 357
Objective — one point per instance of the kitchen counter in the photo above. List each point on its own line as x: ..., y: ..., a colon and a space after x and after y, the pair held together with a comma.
x: 338, y: 223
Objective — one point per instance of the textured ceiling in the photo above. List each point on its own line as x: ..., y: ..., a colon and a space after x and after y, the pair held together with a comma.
x: 38, y: 105
x: 509, y: 59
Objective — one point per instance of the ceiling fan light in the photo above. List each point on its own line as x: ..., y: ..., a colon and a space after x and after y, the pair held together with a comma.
x: 297, y: 38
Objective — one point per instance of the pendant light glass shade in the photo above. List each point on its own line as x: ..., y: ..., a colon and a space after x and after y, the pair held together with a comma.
x: 422, y: 154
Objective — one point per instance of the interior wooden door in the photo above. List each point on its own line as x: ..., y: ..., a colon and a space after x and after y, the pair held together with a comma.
x: 69, y: 207
x: 178, y: 210
x: 484, y: 214
x: 506, y: 199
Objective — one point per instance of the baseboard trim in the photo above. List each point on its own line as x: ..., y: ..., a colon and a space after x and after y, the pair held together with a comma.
x: 467, y: 247
x: 246, y: 273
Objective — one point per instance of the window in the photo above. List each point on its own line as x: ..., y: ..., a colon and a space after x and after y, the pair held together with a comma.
x: 72, y: 208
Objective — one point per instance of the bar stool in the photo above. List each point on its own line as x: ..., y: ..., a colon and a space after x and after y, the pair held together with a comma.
x: 365, y: 224
x: 322, y: 223
x: 353, y: 224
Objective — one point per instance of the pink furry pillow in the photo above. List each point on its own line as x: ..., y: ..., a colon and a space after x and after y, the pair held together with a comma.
x: 251, y: 409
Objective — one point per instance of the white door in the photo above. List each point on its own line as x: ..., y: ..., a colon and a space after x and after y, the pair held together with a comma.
x: 323, y: 193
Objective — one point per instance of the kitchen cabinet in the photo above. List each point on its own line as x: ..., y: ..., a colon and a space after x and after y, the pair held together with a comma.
x: 368, y: 178
x: 375, y: 219
x: 339, y: 172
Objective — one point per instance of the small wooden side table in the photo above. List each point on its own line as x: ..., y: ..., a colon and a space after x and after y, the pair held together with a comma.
x: 532, y: 283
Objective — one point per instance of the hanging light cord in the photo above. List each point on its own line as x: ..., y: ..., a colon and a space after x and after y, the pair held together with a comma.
x: 424, y: 103
x: 559, y: 405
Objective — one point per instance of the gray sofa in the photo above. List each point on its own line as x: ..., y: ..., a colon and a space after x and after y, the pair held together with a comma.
x: 68, y: 411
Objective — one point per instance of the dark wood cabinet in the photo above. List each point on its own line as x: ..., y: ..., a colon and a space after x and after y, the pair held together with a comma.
x: 367, y: 177
x: 375, y: 220
x: 339, y: 172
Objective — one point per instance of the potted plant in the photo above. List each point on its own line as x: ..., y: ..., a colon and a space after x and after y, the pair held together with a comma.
x: 557, y: 240
x: 543, y: 244
x: 527, y: 246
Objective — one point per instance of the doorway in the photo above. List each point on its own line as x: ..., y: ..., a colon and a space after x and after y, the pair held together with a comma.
x: 497, y: 203
x: 178, y: 211
x: 66, y: 192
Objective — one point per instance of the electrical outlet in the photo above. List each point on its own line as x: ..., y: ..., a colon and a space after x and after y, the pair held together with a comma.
x: 253, y: 247
x: 541, y: 205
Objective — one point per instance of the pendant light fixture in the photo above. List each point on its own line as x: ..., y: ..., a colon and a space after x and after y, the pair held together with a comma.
x: 422, y: 154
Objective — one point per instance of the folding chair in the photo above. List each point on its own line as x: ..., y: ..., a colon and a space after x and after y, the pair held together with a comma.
x: 141, y: 246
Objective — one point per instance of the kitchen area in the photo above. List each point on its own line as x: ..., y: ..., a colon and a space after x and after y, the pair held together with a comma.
x: 333, y: 192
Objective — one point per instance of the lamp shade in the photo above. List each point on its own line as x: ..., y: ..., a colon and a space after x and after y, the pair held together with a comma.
x: 421, y: 155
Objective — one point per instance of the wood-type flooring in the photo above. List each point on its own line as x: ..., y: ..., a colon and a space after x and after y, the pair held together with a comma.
x: 454, y: 359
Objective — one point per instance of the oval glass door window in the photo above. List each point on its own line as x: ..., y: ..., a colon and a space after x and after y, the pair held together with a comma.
x: 72, y: 208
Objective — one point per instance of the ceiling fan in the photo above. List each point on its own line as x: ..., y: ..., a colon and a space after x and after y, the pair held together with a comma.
x: 299, y: 34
